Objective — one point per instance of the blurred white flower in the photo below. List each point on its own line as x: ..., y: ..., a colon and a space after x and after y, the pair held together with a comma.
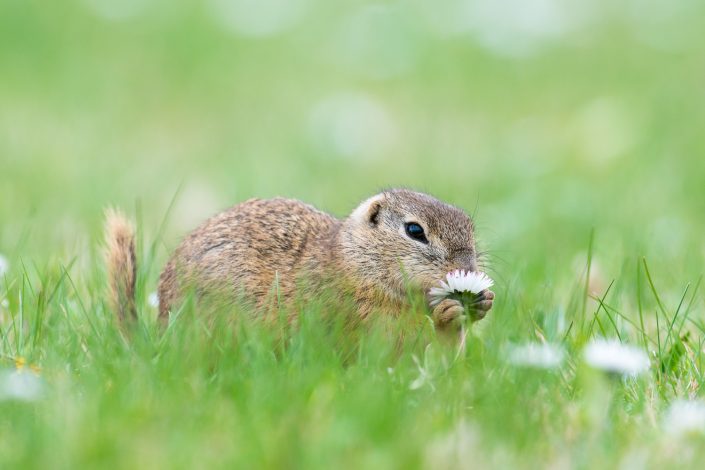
x: 537, y: 355
x: 353, y: 125
x: 20, y: 385
x: 258, y: 18
x: 460, y: 281
x: 4, y: 265
x: 613, y: 356
x: 153, y: 300
x: 685, y: 417
x: 513, y: 28
x: 5, y: 303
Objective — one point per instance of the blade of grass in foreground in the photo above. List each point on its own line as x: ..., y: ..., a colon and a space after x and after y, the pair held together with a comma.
x: 639, y: 305
x: 586, y: 290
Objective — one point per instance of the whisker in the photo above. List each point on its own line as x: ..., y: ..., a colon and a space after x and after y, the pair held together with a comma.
x: 496, y: 275
x: 482, y: 255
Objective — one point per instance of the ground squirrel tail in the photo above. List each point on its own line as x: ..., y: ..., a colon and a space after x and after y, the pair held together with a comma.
x: 121, y: 263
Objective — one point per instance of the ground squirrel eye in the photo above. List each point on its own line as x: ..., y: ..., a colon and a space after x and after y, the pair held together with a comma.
x: 415, y: 231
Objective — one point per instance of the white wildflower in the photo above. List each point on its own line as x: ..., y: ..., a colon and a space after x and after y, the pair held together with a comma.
x: 458, y: 282
x: 5, y: 304
x: 685, y: 417
x: 4, y: 265
x: 20, y: 385
x: 536, y: 355
x: 153, y: 300
x: 613, y: 356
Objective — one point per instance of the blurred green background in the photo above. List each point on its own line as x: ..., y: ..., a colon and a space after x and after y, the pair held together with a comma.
x: 549, y: 120
x: 545, y: 118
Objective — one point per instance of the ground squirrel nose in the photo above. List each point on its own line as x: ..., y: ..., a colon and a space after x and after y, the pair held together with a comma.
x: 466, y: 263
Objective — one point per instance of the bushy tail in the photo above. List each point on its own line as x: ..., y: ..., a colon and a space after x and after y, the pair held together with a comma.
x: 122, y: 264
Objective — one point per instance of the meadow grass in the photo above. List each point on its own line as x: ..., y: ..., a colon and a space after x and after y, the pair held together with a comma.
x: 577, y: 147
x: 217, y: 390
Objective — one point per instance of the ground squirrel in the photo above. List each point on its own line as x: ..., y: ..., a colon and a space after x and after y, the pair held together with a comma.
x: 393, y: 242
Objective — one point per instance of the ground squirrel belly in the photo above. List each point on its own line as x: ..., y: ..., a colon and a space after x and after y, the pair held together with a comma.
x: 392, y: 242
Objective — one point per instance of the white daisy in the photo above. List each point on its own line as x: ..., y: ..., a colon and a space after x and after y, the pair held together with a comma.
x: 613, y: 356
x: 685, y: 417
x: 20, y: 385
x: 153, y: 300
x: 4, y: 265
x: 536, y: 355
x: 458, y: 282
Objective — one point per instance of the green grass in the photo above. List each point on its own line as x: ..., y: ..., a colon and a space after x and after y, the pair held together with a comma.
x: 581, y: 159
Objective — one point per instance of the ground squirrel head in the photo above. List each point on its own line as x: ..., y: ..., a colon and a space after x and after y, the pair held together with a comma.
x: 401, y: 238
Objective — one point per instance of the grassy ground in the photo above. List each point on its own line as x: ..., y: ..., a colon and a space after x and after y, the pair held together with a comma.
x: 571, y: 130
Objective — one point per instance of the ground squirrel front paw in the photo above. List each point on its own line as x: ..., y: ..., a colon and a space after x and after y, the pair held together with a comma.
x: 448, y: 314
x: 481, y: 305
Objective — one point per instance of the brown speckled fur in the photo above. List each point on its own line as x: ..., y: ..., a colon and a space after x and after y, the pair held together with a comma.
x: 284, y: 249
x: 121, y: 264
x: 260, y: 244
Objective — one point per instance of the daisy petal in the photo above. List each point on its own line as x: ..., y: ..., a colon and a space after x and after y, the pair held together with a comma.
x: 461, y: 281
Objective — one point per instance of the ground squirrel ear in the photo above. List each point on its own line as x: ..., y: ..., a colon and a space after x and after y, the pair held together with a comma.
x: 368, y: 211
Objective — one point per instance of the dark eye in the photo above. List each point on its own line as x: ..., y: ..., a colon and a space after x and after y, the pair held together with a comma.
x: 415, y: 231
